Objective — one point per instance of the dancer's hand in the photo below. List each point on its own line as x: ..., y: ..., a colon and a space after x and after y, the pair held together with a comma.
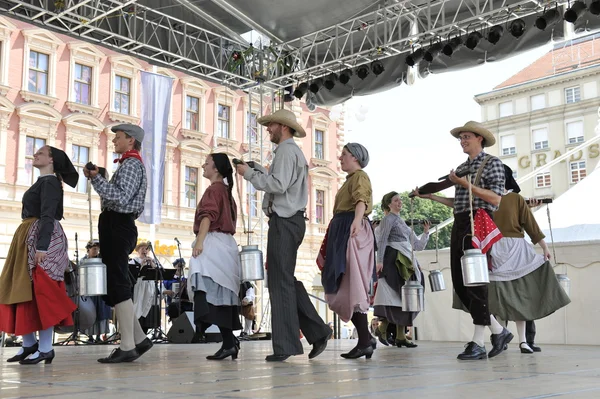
x: 426, y: 225
x: 355, y: 227
x: 241, y: 168
x: 198, y: 248
x: 39, y: 257
x: 461, y: 181
x: 90, y: 174
x: 379, y: 267
x: 547, y: 255
x: 416, y: 193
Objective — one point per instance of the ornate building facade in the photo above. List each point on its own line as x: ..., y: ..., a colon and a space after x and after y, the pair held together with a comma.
x: 58, y: 91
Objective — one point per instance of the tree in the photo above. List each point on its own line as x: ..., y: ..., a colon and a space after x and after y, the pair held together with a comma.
x: 423, y: 209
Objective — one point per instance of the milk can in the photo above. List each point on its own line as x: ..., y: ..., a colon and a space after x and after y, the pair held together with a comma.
x: 251, y: 259
x: 92, y: 277
x: 565, y: 283
x: 474, y: 268
x: 413, y: 299
x: 436, y: 280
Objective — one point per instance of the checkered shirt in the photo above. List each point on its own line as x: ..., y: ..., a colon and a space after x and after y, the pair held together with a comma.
x: 492, y: 178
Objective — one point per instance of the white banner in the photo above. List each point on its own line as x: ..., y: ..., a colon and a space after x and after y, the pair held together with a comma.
x: 156, y: 102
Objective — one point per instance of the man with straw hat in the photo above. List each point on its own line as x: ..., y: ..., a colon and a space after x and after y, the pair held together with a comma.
x: 487, y: 184
x: 286, y: 195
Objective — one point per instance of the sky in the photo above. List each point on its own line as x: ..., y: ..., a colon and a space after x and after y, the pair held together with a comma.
x: 407, y: 129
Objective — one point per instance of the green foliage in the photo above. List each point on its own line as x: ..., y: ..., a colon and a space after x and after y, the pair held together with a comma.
x: 423, y: 209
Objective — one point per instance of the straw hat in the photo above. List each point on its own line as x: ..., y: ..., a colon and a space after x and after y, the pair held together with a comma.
x: 283, y: 117
x: 477, y: 128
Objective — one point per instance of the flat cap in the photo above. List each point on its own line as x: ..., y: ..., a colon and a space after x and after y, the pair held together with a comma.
x: 131, y: 130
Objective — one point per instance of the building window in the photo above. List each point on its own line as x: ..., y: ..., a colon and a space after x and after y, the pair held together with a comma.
x: 252, y: 134
x: 540, y: 139
x: 38, y: 72
x: 192, y: 113
x: 319, y: 144
x: 320, y: 207
x: 508, y: 145
x: 575, y: 132
x: 252, y: 200
x: 223, y: 115
x: 578, y: 171
x: 191, y: 186
x: 506, y: 109
x: 122, y: 94
x: 543, y: 180
x: 32, y: 145
x: 538, y: 102
x: 115, y: 165
x: 80, y: 156
x: 572, y: 95
x: 83, y: 84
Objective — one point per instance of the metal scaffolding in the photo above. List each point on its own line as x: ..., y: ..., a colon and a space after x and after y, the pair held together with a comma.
x: 160, y: 38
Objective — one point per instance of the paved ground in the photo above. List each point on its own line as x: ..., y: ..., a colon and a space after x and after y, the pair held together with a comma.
x: 429, y: 371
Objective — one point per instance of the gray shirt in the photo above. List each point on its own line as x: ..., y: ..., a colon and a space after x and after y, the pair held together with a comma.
x: 286, y: 183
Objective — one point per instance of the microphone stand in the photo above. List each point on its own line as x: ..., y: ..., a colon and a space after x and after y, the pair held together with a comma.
x: 158, y: 336
x: 181, y: 276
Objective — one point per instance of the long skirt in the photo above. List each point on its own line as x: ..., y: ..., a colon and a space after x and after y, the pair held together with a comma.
x: 353, y: 292
x: 531, y: 297
x: 49, y: 304
x: 214, y: 280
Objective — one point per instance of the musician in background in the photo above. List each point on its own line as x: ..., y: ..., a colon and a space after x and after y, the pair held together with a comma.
x: 247, y: 297
x: 144, y: 291
x: 176, y: 294
x: 103, y: 311
x: 487, y: 190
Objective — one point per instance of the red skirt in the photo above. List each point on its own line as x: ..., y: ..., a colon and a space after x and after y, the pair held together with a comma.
x: 49, y: 307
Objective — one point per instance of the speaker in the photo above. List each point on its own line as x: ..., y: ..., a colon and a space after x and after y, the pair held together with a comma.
x: 182, y: 330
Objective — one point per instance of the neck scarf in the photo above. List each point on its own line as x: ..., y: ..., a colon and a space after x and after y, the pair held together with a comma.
x: 129, y: 154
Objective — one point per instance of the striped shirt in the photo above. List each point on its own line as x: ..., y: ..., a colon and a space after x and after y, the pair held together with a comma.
x: 492, y: 178
x: 126, y: 191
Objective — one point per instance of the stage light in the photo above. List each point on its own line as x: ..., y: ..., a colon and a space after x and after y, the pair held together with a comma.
x: 300, y: 90
x: 330, y: 81
x: 362, y: 72
x: 377, y: 67
x: 495, y: 34
x: 595, y: 7
x: 452, y: 46
x: 473, y: 40
x: 315, y: 85
x: 575, y: 11
x: 345, y: 76
x: 287, y: 94
x: 517, y: 27
x: 550, y: 17
x: 433, y: 51
x: 415, y: 57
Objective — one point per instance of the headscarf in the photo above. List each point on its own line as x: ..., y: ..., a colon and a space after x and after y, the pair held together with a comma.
x: 509, y: 181
x: 63, y: 166
x: 359, y: 152
x: 387, y: 200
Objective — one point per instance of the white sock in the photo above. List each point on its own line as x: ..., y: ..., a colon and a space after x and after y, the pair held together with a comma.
x: 124, y: 312
x: 521, y: 331
x: 138, y: 333
x: 28, y: 341
x: 248, y: 327
x: 478, y: 335
x: 495, y: 327
x: 46, y: 339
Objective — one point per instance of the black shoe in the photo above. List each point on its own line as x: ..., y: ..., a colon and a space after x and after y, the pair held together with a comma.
x: 373, y: 343
x: 144, y: 346
x: 472, y: 352
x: 46, y: 357
x: 534, y: 347
x: 120, y: 356
x: 499, y: 341
x: 357, y: 352
x: 27, y: 350
x: 237, y: 343
x: 319, y: 346
x: 276, y: 358
x: 391, y: 340
x: 525, y: 348
x: 407, y: 343
x: 225, y: 353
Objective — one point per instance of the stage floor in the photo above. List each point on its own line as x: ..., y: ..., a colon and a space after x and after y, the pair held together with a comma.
x: 429, y: 371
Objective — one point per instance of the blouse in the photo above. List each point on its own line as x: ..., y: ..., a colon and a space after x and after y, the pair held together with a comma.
x: 215, y: 205
x: 356, y: 188
x: 514, y: 216
x: 394, y: 229
x: 44, y: 200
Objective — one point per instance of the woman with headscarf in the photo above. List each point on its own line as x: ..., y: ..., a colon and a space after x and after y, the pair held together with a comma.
x: 395, y: 266
x: 33, y: 296
x: 350, y: 249
x: 523, y: 285
x: 215, y: 270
